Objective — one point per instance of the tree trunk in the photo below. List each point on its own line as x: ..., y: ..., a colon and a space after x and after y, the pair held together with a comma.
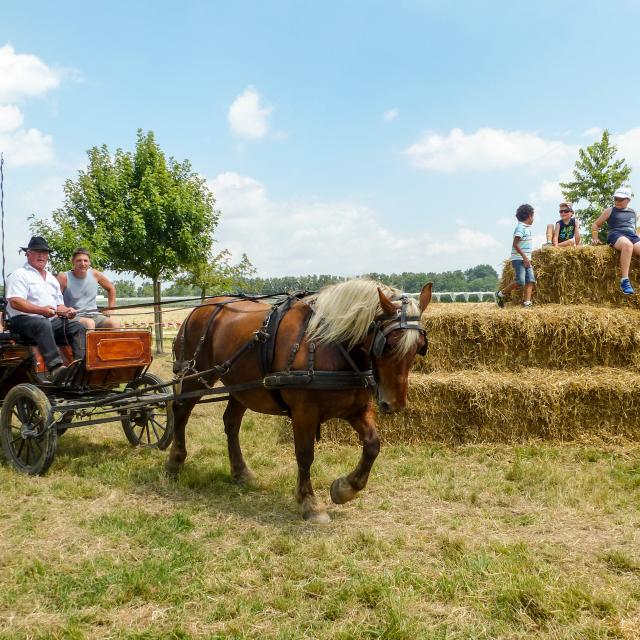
x: 202, y: 294
x: 157, y: 316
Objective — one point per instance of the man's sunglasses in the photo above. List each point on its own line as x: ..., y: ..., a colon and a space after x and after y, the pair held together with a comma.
x: 565, y: 210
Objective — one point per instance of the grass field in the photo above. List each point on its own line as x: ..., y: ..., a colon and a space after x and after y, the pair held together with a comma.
x: 535, y: 541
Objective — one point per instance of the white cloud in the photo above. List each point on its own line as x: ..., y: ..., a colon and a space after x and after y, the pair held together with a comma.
x: 548, y: 191
x: 26, y: 147
x: 628, y: 144
x: 10, y: 117
x: 593, y: 132
x: 390, y: 115
x: 486, y: 149
x: 505, y: 222
x: 24, y: 75
x: 248, y: 116
x: 297, y: 237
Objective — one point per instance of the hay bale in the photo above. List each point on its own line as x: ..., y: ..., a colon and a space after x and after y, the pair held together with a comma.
x: 577, y: 275
x: 471, y: 407
x: 463, y: 336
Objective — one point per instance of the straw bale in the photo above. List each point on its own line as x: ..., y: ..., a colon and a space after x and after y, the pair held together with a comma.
x: 577, y: 275
x: 471, y: 407
x: 463, y: 336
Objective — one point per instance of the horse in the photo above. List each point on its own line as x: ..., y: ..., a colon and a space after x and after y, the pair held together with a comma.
x: 347, y: 329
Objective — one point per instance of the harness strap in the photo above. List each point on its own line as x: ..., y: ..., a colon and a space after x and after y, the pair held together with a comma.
x: 348, y: 358
x: 296, y: 345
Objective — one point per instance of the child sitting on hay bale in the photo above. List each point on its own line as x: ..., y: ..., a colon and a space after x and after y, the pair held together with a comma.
x: 521, y: 257
x: 566, y: 232
x: 621, y: 235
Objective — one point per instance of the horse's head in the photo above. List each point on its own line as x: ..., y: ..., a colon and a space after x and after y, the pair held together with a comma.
x: 395, y: 341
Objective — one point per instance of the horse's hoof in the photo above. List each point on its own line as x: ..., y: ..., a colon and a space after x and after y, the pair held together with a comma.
x: 341, y: 491
x: 317, y: 517
x: 172, y: 469
x: 246, y: 477
x: 314, y: 511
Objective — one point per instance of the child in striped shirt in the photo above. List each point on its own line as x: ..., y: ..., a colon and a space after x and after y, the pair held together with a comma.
x: 521, y: 257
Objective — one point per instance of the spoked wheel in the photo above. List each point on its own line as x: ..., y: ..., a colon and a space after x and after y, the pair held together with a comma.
x: 28, y: 440
x: 152, y: 425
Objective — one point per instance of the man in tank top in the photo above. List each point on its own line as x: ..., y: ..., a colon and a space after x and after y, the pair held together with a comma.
x: 80, y: 286
x: 622, y: 234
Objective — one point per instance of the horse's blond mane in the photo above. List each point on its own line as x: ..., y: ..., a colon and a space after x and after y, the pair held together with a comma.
x: 343, y: 312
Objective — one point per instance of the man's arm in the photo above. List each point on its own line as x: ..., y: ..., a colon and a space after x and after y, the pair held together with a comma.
x: 109, y: 287
x: 62, y: 279
x: 595, y: 227
x: 20, y: 304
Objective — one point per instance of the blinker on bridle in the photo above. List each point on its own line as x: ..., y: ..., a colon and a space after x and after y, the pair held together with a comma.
x: 386, y: 323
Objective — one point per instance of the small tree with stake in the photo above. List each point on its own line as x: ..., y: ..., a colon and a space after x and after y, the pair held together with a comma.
x: 139, y: 212
x: 217, y: 275
x: 596, y: 177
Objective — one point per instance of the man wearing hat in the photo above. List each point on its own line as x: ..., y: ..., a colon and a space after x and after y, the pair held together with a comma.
x: 622, y: 233
x: 37, y: 312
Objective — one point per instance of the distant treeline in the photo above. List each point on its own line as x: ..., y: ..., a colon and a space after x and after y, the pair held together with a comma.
x: 480, y: 278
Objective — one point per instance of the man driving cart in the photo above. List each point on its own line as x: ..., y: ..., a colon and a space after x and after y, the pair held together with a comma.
x: 36, y: 310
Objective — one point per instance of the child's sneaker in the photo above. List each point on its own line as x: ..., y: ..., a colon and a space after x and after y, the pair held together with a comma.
x: 527, y: 305
x: 500, y: 299
x: 625, y: 287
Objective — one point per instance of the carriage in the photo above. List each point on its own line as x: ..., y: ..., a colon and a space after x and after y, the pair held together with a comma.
x: 112, y: 384
x: 309, y: 357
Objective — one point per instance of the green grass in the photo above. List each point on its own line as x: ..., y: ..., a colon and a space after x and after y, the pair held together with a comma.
x: 477, y: 542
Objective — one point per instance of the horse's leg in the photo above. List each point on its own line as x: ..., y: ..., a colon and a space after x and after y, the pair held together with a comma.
x: 178, y: 452
x: 346, y: 488
x: 304, y: 432
x: 233, y: 414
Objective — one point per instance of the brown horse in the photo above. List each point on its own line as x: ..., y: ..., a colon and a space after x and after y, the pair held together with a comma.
x: 358, y: 324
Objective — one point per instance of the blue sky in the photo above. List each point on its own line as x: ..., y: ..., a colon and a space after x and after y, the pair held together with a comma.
x: 337, y: 137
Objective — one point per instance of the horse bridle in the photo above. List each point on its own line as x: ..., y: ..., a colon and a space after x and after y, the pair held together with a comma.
x: 386, y: 323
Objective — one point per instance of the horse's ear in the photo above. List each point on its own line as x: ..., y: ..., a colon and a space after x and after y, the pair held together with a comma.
x: 387, y: 306
x: 425, y: 296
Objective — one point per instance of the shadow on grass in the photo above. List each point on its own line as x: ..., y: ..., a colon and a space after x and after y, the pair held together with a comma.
x: 204, y: 483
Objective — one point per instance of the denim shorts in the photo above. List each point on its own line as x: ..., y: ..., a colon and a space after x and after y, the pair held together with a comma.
x: 614, y: 236
x: 523, y: 275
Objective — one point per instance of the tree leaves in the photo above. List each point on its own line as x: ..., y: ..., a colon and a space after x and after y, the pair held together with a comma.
x: 596, y: 177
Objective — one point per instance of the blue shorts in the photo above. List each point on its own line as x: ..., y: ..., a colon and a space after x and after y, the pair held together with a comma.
x: 614, y: 236
x: 523, y: 275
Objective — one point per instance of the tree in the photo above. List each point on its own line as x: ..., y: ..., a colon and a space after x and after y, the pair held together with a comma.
x: 125, y: 288
x: 145, y: 290
x: 138, y: 213
x: 596, y: 177
x: 217, y: 275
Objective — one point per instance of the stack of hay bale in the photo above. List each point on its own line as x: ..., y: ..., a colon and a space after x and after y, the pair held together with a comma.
x: 567, y: 368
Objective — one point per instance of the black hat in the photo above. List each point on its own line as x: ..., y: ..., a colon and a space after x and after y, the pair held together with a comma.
x: 37, y: 243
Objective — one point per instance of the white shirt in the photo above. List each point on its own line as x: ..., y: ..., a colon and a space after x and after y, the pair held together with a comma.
x: 27, y: 283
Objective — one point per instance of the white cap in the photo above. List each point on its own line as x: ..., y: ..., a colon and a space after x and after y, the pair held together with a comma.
x: 623, y: 192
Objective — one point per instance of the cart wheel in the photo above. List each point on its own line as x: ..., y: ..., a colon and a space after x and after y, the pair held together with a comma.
x: 28, y: 442
x: 152, y: 425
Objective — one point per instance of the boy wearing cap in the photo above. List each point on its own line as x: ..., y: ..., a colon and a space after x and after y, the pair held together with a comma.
x: 622, y: 234
x: 521, y: 257
x: 566, y: 232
